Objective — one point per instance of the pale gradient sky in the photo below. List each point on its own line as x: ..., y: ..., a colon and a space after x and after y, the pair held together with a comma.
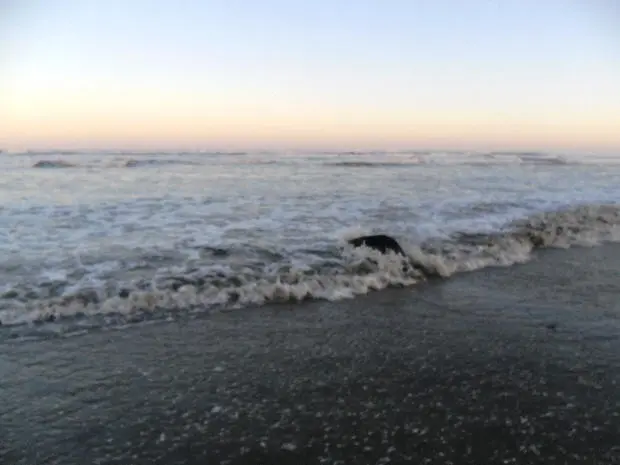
x: 329, y: 74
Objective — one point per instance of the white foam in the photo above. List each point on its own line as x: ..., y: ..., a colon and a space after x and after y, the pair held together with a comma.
x: 261, y: 291
x: 293, y: 285
x: 58, y: 274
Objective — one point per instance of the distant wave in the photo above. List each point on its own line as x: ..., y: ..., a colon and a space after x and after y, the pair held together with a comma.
x: 133, y: 163
x: 492, y: 158
x: 479, y: 159
x: 336, y: 159
x: 544, y: 160
x: 53, y: 164
x: 228, y: 154
x: 370, y: 164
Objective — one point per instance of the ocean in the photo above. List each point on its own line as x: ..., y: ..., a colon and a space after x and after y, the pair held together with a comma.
x: 206, y: 308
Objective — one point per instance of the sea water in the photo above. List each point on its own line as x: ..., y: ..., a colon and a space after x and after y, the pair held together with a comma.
x: 92, y: 238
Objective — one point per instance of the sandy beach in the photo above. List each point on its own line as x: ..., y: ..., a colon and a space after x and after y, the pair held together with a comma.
x: 505, y: 365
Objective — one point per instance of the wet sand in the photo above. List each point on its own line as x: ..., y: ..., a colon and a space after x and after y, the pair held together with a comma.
x: 517, y: 365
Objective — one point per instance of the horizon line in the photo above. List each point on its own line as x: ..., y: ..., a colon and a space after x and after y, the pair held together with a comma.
x: 358, y: 150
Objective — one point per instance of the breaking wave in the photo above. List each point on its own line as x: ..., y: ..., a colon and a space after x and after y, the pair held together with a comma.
x: 227, y: 278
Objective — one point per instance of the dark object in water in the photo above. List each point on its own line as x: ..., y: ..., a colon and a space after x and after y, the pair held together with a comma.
x: 380, y: 242
x: 124, y: 293
x: 216, y: 251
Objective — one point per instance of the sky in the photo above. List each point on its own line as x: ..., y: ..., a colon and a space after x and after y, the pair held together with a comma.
x: 321, y: 74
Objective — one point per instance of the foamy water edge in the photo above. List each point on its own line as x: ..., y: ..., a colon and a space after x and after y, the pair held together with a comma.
x: 341, y: 274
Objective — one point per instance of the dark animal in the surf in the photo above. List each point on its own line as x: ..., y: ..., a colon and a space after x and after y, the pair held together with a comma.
x: 380, y: 242
x: 385, y: 244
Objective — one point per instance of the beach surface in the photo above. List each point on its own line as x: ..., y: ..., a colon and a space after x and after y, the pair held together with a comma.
x: 503, y: 365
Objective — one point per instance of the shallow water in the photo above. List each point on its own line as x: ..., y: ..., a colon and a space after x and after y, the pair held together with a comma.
x: 501, y: 365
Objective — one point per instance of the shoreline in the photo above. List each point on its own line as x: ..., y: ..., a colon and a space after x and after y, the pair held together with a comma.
x: 502, y: 365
